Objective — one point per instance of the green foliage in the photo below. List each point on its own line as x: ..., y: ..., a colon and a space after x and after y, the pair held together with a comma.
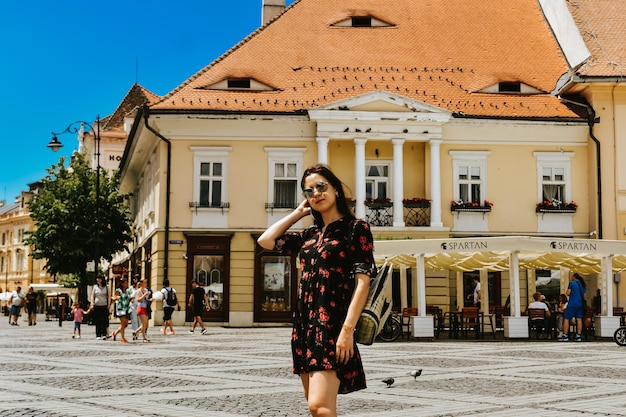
x: 66, y: 223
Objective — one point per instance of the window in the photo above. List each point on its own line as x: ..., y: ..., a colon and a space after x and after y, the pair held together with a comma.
x: 377, y: 181
x: 553, y: 184
x: 470, y: 176
x: 510, y: 87
x: 362, y: 22
x: 210, y: 173
x: 554, y: 176
x: 239, y: 83
x: 285, y: 185
x: 285, y: 170
x: 211, y: 179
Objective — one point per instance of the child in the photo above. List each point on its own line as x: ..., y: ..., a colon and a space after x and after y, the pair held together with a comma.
x: 78, y: 312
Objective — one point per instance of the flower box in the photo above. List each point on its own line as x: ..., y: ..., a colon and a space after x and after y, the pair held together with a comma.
x: 472, y: 206
x: 556, y: 206
x: 416, y: 202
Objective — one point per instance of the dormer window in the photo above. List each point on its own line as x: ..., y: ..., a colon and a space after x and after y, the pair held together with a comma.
x: 361, y: 22
x: 510, y: 87
x: 239, y: 84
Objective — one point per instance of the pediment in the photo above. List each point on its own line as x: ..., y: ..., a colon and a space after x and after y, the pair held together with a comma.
x: 383, y: 101
x: 381, y: 106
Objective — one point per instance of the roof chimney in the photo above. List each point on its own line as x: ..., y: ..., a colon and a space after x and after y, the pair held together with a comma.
x: 271, y: 9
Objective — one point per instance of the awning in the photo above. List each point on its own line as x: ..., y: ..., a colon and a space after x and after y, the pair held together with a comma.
x: 512, y: 253
x: 493, y: 253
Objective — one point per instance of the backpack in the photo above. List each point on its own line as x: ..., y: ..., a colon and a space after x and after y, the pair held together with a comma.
x: 378, y: 305
x: 170, y: 298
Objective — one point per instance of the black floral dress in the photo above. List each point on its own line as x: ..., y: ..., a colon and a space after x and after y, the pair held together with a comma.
x: 327, y: 262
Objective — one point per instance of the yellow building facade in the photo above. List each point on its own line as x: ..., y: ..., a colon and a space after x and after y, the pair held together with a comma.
x: 429, y: 147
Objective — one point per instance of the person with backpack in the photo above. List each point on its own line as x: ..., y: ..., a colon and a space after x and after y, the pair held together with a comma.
x: 170, y: 301
x: 337, y: 261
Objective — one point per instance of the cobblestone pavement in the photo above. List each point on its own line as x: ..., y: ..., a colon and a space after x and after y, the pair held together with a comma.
x: 234, y: 372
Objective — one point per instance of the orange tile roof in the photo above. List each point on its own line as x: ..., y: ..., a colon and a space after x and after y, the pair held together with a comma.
x: 602, y: 24
x: 137, y: 96
x: 438, y: 52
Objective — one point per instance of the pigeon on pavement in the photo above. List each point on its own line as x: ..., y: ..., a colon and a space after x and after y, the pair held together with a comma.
x: 389, y: 381
x: 415, y: 373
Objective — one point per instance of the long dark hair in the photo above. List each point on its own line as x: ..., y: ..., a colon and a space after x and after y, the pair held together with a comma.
x: 580, y: 279
x: 342, y: 203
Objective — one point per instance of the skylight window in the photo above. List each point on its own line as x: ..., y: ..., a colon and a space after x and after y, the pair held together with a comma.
x: 361, y: 22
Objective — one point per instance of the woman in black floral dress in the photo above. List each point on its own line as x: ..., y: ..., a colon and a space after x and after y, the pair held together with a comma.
x: 336, y: 259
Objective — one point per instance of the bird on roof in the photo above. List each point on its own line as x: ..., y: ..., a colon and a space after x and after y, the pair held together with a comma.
x: 389, y: 381
x: 415, y: 373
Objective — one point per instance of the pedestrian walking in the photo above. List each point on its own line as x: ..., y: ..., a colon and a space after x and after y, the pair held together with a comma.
x: 144, y: 298
x: 336, y: 258
x: 170, y: 302
x: 134, y: 318
x: 77, y: 313
x: 198, y: 302
x: 16, y: 301
x: 31, y: 306
x: 122, y: 306
x: 100, y: 304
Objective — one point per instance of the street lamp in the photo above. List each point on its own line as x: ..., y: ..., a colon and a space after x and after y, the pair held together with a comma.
x: 55, y: 145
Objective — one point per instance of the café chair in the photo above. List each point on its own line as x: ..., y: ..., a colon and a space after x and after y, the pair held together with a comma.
x: 470, y: 320
x: 537, y: 322
x: 405, y: 320
x: 589, y: 324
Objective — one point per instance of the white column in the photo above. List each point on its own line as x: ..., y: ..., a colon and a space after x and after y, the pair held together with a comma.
x: 322, y: 150
x: 421, y: 284
x: 398, y: 183
x: 606, y: 289
x: 484, y: 290
x: 516, y: 310
x: 404, y: 296
x: 359, y: 175
x: 435, y: 183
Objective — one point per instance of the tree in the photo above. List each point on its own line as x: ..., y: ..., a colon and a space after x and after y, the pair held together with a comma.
x: 66, y: 225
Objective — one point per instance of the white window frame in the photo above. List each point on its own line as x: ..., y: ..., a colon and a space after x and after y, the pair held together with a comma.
x: 376, y: 180
x: 471, y: 159
x: 554, y: 160
x: 284, y: 156
x: 210, y: 154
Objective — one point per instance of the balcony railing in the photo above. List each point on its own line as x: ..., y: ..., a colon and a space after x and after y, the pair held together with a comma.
x: 197, y: 205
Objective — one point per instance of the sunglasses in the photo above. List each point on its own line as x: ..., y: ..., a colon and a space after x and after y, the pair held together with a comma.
x: 320, y: 188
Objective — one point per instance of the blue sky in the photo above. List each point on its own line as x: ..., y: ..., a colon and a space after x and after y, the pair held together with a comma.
x: 73, y: 60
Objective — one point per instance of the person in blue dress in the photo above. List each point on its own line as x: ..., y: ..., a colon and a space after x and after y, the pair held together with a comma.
x: 576, y: 293
x: 336, y: 261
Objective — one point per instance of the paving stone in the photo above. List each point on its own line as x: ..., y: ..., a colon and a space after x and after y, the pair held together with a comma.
x: 237, y: 372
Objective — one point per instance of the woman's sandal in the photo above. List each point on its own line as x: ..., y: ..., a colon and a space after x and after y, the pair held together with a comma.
x: 146, y: 340
x: 134, y: 336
